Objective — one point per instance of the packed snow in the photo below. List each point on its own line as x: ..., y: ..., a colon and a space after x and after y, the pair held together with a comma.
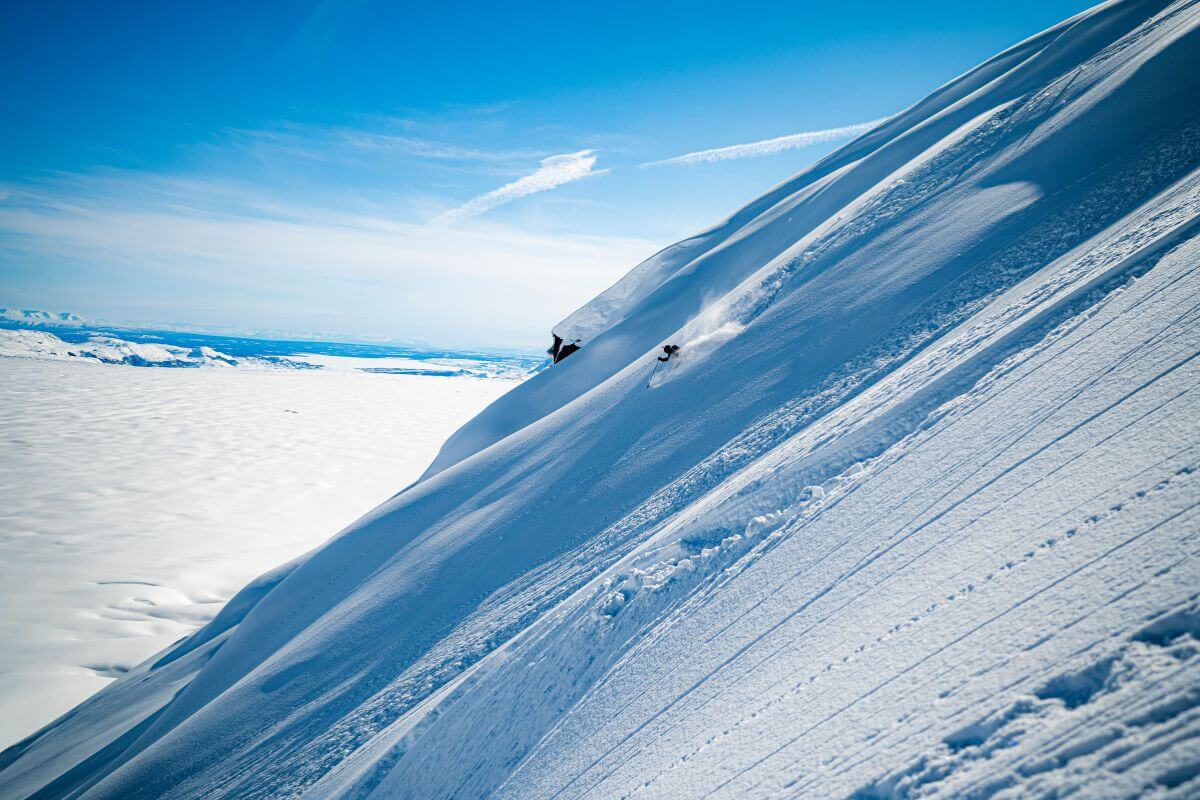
x: 914, y: 513
x: 136, y: 502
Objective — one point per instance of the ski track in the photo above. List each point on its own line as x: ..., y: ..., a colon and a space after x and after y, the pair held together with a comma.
x: 1123, y: 358
x: 908, y: 523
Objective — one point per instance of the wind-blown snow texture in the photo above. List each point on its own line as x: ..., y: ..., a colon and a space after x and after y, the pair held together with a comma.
x: 915, y: 514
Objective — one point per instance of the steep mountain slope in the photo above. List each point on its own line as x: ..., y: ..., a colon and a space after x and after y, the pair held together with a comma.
x: 914, y: 513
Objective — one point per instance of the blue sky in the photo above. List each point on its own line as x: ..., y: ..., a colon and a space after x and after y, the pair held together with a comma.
x: 465, y: 174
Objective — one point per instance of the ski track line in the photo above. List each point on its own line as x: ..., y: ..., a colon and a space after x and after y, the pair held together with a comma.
x: 845, y: 768
x: 950, y: 644
x: 942, y: 429
x: 1090, y: 722
x: 874, y: 556
x: 1075, y: 394
x: 1160, y: 573
x: 772, y: 690
x: 1020, y: 380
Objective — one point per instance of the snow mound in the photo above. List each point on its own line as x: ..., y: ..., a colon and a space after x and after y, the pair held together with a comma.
x: 914, y: 514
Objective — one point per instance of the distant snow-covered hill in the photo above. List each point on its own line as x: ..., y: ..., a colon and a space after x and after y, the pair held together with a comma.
x: 914, y: 512
x: 26, y: 316
x: 24, y: 343
x: 156, y: 349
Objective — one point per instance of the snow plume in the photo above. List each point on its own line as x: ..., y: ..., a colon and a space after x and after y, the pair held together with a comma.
x: 553, y: 172
x: 768, y: 147
x: 716, y: 325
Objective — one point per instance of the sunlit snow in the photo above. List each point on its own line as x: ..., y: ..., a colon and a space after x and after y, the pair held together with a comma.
x: 137, y: 501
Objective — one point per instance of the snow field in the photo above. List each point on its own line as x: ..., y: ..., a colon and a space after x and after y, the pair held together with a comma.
x: 137, y: 501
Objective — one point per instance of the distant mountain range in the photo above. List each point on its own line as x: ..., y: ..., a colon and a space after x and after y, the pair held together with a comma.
x: 26, y: 316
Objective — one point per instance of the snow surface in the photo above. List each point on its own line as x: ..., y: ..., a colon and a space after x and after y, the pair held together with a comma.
x: 914, y: 514
x: 136, y: 502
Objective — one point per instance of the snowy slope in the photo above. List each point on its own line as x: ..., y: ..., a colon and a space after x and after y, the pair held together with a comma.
x: 914, y: 514
x: 819, y: 205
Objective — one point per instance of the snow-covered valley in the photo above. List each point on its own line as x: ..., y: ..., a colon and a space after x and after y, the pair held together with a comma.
x: 137, y: 501
x: 913, y: 513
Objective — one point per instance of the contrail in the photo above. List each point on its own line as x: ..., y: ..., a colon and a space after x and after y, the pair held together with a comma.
x: 554, y: 171
x: 768, y: 146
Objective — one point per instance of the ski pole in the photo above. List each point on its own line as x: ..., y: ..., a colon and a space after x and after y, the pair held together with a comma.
x: 653, y: 372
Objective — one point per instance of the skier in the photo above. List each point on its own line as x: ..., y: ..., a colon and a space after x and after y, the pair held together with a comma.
x: 668, y: 350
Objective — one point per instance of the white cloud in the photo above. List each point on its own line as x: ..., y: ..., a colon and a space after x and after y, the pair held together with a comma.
x: 313, y: 143
x: 768, y: 147
x: 426, y: 148
x: 223, y: 253
x: 554, y: 171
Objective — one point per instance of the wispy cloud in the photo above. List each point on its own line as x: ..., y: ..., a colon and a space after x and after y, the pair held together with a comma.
x: 426, y: 148
x: 554, y: 171
x: 768, y: 147
x: 324, y: 144
x: 211, y: 250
